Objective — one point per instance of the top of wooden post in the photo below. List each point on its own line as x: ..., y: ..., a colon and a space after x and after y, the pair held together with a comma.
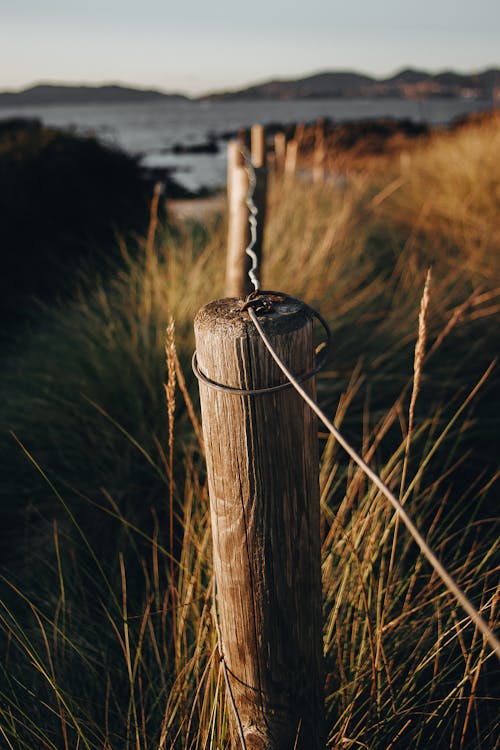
x: 258, y: 146
x: 225, y: 333
x: 226, y: 318
x: 234, y: 160
x: 235, y: 154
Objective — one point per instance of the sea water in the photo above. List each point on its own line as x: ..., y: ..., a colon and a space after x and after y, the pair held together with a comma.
x: 150, y: 130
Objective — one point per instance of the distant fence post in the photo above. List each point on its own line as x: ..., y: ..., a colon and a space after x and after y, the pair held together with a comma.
x: 262, y: 463
x: 238, y: 230
x: 319, y: 155
x: 319, y: 164
x: 258, y: 146
x: 237, y: 264
x: 298, y: 136
x: 291, y: 158
x: 153, y: 218
x: 279, y: 152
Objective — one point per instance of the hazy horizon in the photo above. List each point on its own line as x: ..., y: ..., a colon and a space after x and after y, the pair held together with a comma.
x: 195, y: 48
x: 243, y: 84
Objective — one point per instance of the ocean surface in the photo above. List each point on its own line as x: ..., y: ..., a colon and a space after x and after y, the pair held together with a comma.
x: 150, y: 130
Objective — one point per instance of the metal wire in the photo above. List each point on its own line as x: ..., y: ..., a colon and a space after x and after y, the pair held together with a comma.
x: 252, y: 219
x: 321, y: 353
x: 453, y: 587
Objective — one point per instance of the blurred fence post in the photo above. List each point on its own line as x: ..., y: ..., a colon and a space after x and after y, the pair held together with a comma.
x: 238, y: 263
x: 291, y: 158
x: 238, y: 230
x: 153, y: 218
x: 298, y: 136
x: 319, y: 155
x: 258, y: 146
x: 262, y: 464
x: 279, y: 152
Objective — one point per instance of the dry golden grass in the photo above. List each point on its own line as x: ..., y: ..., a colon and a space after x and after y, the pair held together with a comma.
x: 111, y: 645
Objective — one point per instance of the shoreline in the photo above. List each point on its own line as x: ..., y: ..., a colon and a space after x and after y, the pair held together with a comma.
x: 348, y: 146
x: 155, y: 133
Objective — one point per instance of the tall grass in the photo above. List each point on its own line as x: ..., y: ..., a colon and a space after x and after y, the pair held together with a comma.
x: 107, y: 633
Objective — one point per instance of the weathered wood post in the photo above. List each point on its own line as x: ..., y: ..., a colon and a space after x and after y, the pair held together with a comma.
x: 298, y: 135
x: 153, y: 218
x: 238, y: 263
x: 258, y: 145
x: 319, y: 164
x: 280, y: 152
x: 234, y: 160
x: 262, y: 462
x: 319, y: 155
x: 319, y: 132
x: 291, y: 158
x: 238, y: 229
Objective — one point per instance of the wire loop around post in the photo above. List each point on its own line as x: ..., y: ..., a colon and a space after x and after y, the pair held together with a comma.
x: 322, y: 352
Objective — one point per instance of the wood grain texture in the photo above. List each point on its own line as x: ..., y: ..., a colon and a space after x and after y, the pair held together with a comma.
x: 262, y: 463
x: 238, y: 234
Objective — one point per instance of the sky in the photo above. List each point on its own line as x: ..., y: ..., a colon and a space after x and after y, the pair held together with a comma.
x: 195, y: 47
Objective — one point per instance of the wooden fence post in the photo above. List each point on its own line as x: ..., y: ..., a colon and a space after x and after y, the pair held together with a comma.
x: 153, y: 219
x: 291, y: 158
x: 234, y: 160
x: 258, y: 146
x: 262, y: 463
x: 280, y: 152
x: 319, y: 132
x: 238, y: 263
x: 319, y: 155
x: 319, y: 164
x: 298, y: 136
x: 238, y: 230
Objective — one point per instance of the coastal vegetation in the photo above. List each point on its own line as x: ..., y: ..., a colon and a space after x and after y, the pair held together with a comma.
x: 107, y: 638
x: 64, y: 199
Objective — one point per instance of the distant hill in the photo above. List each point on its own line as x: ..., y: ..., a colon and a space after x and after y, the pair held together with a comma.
x: 405, y: 84
x: 320, y: 85
x: 59, y: 94
x: 329, y: 84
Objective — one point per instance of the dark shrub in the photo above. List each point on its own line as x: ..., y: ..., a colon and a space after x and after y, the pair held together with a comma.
x: 63, y: 199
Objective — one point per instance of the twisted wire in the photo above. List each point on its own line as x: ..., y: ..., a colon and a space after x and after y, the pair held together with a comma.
x: 252, y: 219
